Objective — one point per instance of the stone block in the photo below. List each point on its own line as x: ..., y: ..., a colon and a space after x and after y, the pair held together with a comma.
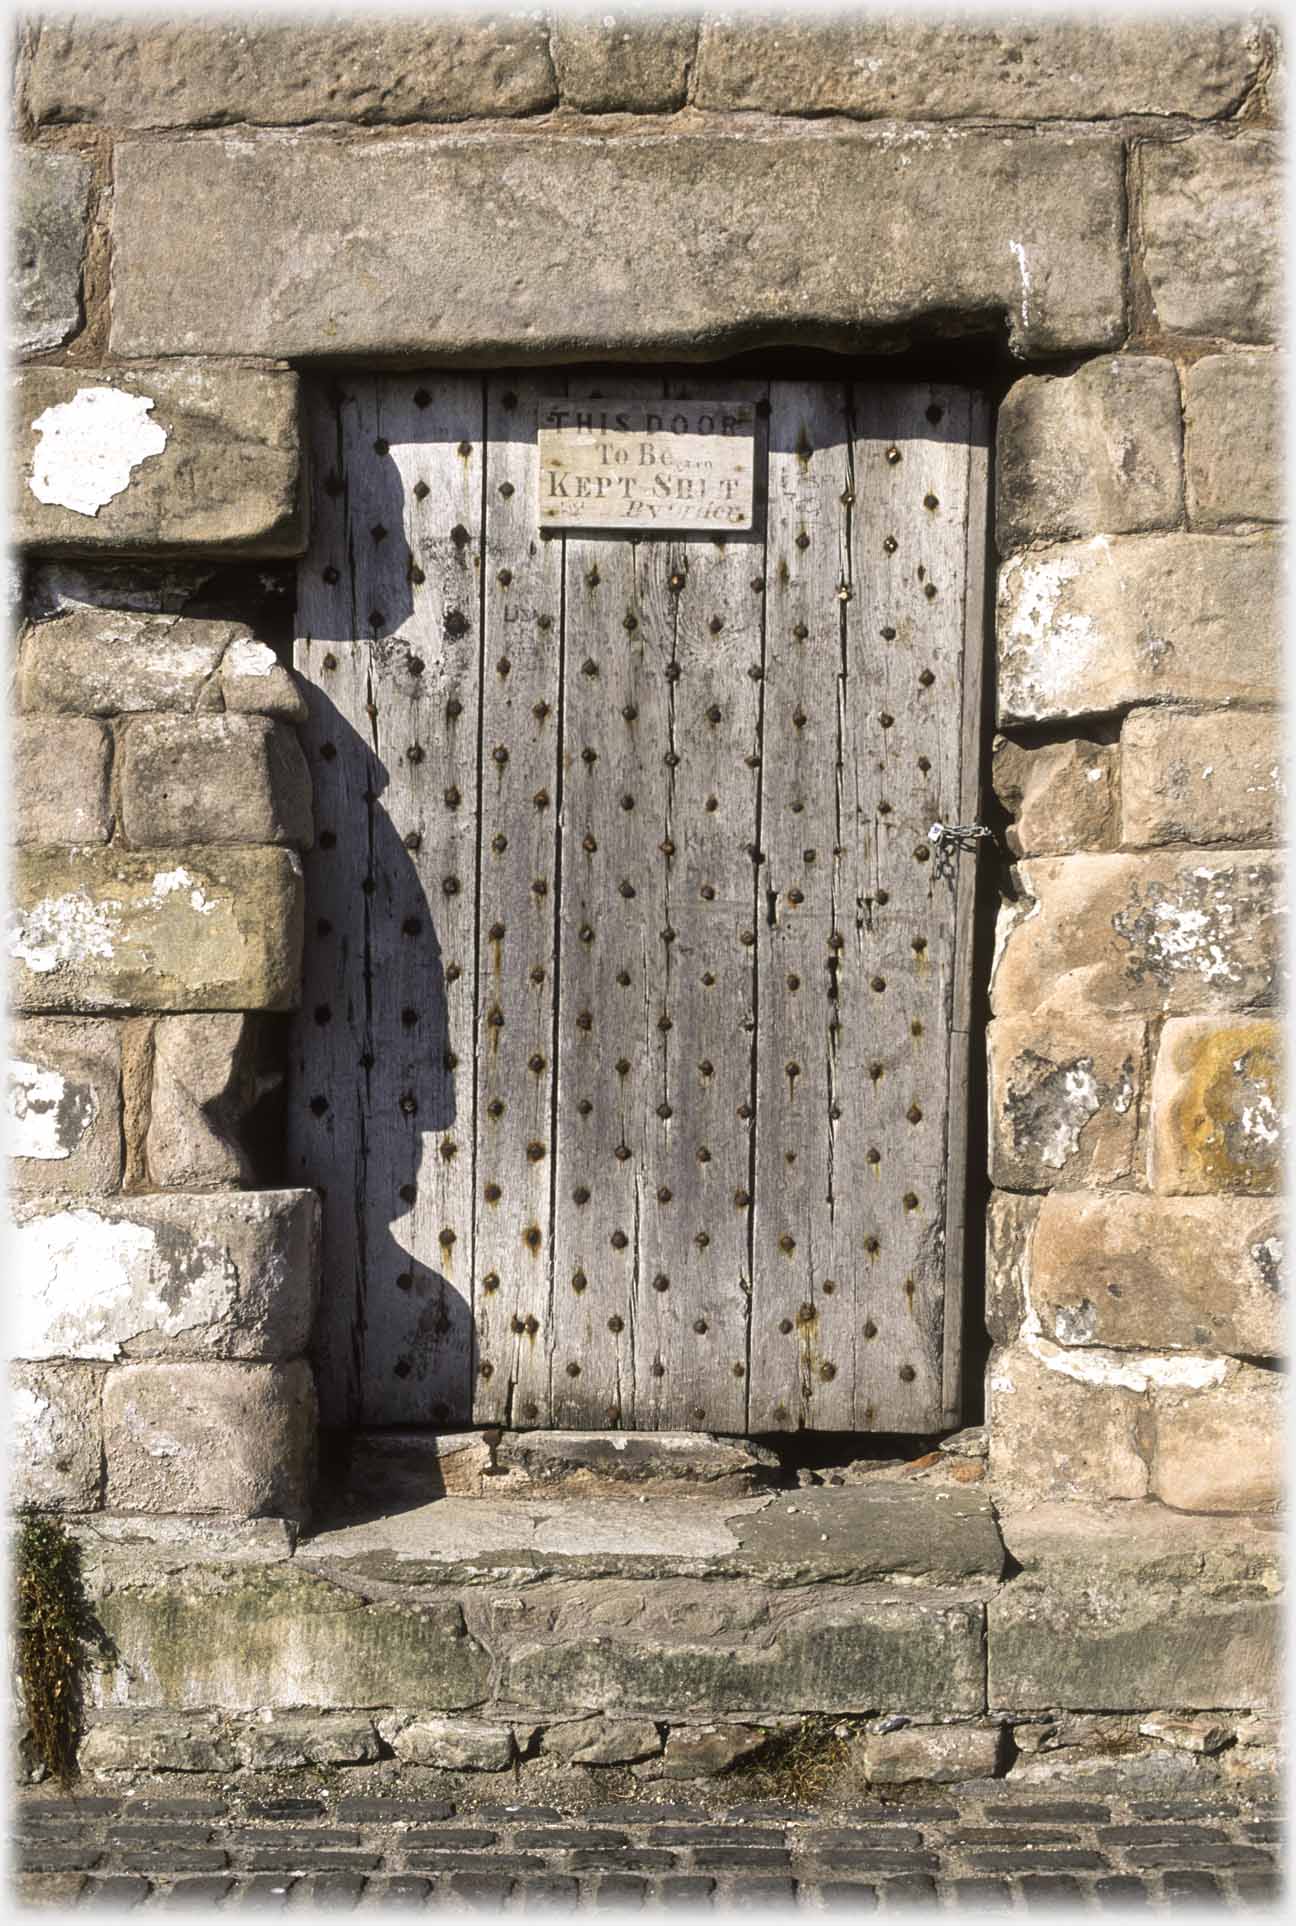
x: 210, y: 1436
x: 1010, y: 1226
x: 646, y: 246
x: 49, y: 210
x: 321, y: 1739
x: 1091, y: 627
x: 619, y: 62
x: 181, y: 455
x: 55, y: 1451
x: 939, y: 1754
x: 1233, y: 438
x: 203, y: 1085
x: 1221, y: 1449
x: 1201, y: 779
x: 1064, y: 1426
x: 900, y: 67
x: 190, y: 72
x: 1062, y: 796
x: 110, y: 662
x: 1162, y: 933
x: 245, y: 1637
x: 658, y: 1462
x: 64, y: 1105
x: 59, y: 786
x: 603, y: 1741
x: 1064, y: 1100
x: 1133, y: 1608
x: 1193, y: 1274
x: 214, y: 779
x: 110, y: 929
x: 1212, y: 221
x: 1218, y: 1115
x: 1097, y: 452
x: 457, y: 1745
x: 704, y: 1751
x: 127, y: 1741
x: 227, y: 1274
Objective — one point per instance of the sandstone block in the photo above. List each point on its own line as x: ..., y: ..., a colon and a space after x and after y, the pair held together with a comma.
x: 1200, y: 1736
x: 1196, y: 1274
x: 214, y: 779
x: 181, y: 455
x: 1218, y: 1116
x: 1010, y: 1225
x: 1201, y: 779
x: 55, y: 1436
x: 1091, y: 627
x: 63, y: 1104
x: 905, y: 68
x: 125, y: 1741
x: 321, y: 1739
x: 940, y: 1754
x: 203, y: 1084
x: 1095, y: 452
x: 645, y: 246
x: 1133, y: 1608
x: 600, y: 1741
x: 457, y: 1745
x: 1064, y: 1426
x: 1221, y: 1449
x: 108, y: 929
x: 128, y: 72
x: 210, y: 1436
x: 703, y: 1751
x: 60, y: 780
x: 230, y: 1274
x: 617, y: 62
x: 245, y: 1637
x: 1212, y: 218
x: 1064, y: 1095
x: 49, y: 210
x: 1063, y: 796
x: 1168, y: 932
x: 109, y: 662
x: 1233, y: 439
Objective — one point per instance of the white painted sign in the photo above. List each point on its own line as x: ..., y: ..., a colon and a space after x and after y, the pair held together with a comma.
x: 648, y: 464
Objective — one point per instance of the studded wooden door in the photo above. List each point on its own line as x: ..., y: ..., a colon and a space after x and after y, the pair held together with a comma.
x: 634, y: 1036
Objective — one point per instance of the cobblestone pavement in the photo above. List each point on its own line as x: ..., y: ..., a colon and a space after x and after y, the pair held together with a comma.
x: 954, y: 1852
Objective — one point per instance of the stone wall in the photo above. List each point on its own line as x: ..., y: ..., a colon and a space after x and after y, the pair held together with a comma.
x: 208, y: 210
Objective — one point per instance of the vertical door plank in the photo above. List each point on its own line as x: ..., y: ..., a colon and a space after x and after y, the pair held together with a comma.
x: 519, y: 956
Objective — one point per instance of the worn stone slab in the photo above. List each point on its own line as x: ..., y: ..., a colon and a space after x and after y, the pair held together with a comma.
x: 1064, y: 1100
x: 128, y: 72
x: 623, y: 245
x: 63, y: 1105
x: 1091, y: 627
x: 180, y: 455
x: 703, y: 1751
x: 1222, y: 1450
x: 1010, y: 1225
x: 210, y: 1436
x: 126, y: 1741
x: 457, y: 1745
x: 109, y: 929
x: 1167, y: 932
x: 932, y: 69
x: 214, y: 779
x: 1062, y: 796
x: 1132, y: 1608
x: 1065, y: 1426
x: 1094, y: 452
x: 1197, y: 1274
x: 675, y: 1461
x: 602, y: 1741
x: 49, y: 208
x: 221, y: 1274
x: 1218, y: 1113
x: 859, y: 1533
x: 1233, y: 438
x: 1202, y: 779
x: 59, y: 785
x: 55, y: 1443
x: 1212, y: 227
x: 204, y: 1082
x: 938, y: 1754
x: 109, y: 662
x: 617, y: 61
x: 320, y: 1739
x: 244, y: 1637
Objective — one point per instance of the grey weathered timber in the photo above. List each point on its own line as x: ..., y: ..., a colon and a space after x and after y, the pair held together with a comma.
x: 634, y: 1038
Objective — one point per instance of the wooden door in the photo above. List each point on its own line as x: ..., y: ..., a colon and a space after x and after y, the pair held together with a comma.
x: 635, y: 1028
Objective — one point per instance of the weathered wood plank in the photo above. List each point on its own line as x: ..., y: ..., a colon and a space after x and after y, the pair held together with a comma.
x: 520, y: 802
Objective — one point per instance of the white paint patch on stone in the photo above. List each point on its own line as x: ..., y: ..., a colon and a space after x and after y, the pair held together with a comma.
x: 246, y: 657
x: 46, y: 1120
x: 91, y: 446
x: 1019, y: 254
x: 1260, y: 1121
x: 63, y: 929
x: 1058, y: 647
x: 167, y: 881
x: 1128, y: 1370
x: 1081, y: 1100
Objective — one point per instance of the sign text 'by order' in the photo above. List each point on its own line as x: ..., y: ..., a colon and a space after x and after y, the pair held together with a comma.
x: 654, y: 465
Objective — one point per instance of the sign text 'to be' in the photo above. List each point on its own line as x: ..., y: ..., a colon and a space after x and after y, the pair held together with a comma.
x: 646, y: 464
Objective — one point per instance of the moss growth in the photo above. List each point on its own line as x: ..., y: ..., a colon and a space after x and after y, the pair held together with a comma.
x: 55, y: 1630
x: 802, y: 1762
